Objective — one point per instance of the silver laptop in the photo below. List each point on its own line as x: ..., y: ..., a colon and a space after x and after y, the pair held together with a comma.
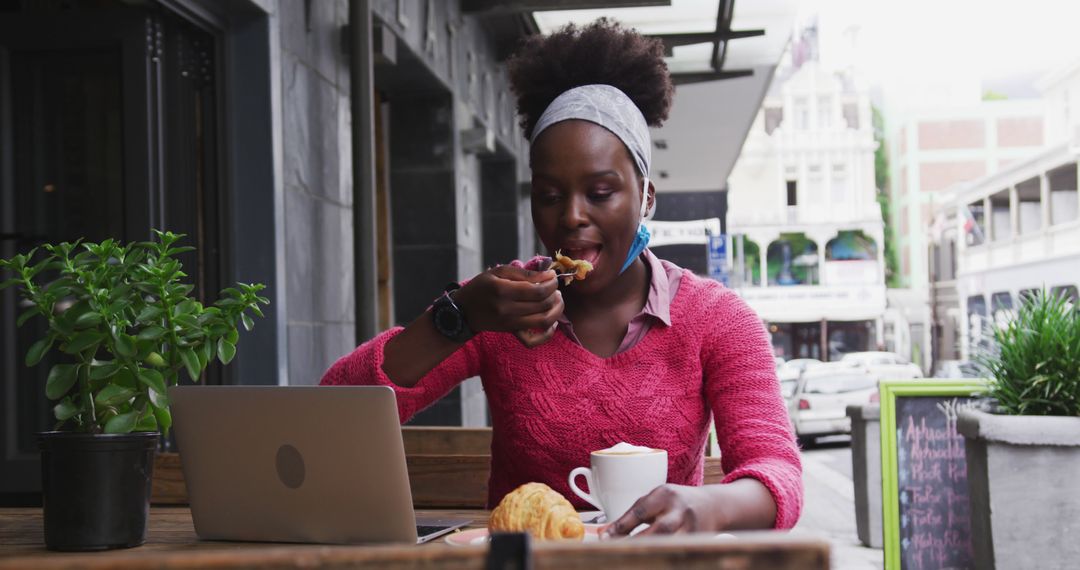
x: 297, y: 464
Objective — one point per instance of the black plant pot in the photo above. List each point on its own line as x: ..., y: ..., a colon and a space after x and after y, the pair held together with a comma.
x: 96, y: 489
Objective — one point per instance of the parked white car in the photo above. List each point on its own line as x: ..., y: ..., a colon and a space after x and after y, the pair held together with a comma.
x: 819, y: 404
x: 886, y: 365
x: 956, y: 369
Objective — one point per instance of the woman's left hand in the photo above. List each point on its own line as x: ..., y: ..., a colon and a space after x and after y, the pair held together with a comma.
x: 671, y: 509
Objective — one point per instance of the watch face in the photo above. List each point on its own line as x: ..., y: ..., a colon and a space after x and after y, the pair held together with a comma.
x: 448, y: 321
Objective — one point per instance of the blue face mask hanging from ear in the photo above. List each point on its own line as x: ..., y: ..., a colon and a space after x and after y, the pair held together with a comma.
x: 642, y: 238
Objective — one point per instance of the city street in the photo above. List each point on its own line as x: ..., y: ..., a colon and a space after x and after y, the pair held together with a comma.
x: 829, y: 508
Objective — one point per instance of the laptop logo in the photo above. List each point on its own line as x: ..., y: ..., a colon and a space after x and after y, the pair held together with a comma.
x: 290, y: 466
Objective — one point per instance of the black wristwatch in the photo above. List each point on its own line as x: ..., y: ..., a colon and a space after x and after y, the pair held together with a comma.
x: 448, y: 318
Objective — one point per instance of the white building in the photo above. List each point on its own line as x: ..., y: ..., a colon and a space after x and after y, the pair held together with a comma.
x: 807, y: 229
x: 1019, y: 228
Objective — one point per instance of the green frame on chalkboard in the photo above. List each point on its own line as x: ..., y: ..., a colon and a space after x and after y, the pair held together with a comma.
x: 889, y: 390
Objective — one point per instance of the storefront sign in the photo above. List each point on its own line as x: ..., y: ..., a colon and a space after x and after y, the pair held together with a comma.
x: 688, y: 232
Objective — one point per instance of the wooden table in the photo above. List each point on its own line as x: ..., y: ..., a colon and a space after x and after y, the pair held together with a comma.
x: 171, y: 543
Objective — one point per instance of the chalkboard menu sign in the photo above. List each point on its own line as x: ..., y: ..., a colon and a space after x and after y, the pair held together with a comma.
x: 925, y: 506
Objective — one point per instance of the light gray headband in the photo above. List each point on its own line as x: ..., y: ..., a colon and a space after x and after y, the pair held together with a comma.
x: 608, y: 107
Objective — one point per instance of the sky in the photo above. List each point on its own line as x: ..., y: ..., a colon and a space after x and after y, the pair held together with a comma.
x: 906, y: 45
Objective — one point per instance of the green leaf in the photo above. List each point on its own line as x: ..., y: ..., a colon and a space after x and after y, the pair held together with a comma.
x: 149, y: 314
x: 255, y: 309
x: 124, y: 377
x: 164, y: 419
x: 104, y: 370
x: 187, y: 321
x: 122, y: 423
x: 125, y: 345
x: 154, y: 359
x: 159, y: 399
x: 233, y: 336
x: 206, y: 353
x: 82, y: 341
x: 9, y: 283
x: 226, y: 351
x: 61, y: 378
x: 191, y: 362
x: 248, y: 324
x: 113, y: 395
x: 153, y: 380
x: 147, y: 423
x: 185, y: 307
x: 37, y: 350
x: 66, y: 409
x: 151, y: 333
x: 88, y: 319
x: 26, y: 316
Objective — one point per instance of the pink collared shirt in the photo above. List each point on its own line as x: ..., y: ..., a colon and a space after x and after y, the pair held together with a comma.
x: 664, y: 278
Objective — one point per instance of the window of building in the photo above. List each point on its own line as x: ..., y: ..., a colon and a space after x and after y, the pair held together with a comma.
x: 792, y: 193
x: 1029, y: 202
x: 1000, y: 218
x: 774, y: 117
x: 851, y: 115
x: 1063, y: 194
x: 815, y: 183
x: 974, y: 223
x: 839, y: 183
x: 802, y: 113
x: 977, y: 323
x: 824, y: 111
x: 1001, y: 307
x: 1067, y: 291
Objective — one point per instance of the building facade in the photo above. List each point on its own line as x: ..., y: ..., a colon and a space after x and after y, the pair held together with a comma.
x: 997, y: 239
x: 806, y: 228
x: 236, y: 124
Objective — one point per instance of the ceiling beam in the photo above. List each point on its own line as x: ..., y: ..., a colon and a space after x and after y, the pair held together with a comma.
x: 672, y: 41
x: 490, y: 7
x: 703, y: 76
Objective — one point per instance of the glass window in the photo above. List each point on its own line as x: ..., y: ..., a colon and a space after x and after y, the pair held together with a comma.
x: 824, y: 110
x: 1068, y: 291
x: 802, y: 113
x: 974, y: 223
x: 787, y: 387
x: 839, y: 384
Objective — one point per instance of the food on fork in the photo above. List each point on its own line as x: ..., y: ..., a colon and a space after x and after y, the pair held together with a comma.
x: 577, y: 268
x: 539, y: 510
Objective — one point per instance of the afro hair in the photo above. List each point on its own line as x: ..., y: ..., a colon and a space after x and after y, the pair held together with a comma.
x: 602, y: 52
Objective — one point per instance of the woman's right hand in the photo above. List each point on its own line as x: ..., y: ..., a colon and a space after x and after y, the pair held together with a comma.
x: 511, y: 299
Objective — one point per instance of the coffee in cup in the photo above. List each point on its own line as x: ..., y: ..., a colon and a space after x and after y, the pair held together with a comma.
x: 620, y: 475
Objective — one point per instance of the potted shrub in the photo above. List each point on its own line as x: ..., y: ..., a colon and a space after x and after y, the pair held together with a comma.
x: 1023, y: 445
x: 129, y: 330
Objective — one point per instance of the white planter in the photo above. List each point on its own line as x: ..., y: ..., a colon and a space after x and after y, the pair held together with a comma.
x: 1024, y: 480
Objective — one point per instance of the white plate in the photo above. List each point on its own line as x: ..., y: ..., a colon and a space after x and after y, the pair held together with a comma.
x: 479, y: 536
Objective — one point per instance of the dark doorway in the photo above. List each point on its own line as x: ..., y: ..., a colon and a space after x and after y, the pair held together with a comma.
x: 109, y: 128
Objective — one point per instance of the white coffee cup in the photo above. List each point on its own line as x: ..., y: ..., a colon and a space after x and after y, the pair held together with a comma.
x: 619, y: 478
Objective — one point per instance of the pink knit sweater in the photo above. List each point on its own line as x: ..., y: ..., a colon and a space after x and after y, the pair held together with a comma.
x: 553, y: 404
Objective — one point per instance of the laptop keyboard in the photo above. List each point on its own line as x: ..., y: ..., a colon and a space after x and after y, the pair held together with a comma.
x: 424, y: 530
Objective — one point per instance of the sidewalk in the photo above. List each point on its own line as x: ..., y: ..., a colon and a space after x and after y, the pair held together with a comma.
x: 829, y: 509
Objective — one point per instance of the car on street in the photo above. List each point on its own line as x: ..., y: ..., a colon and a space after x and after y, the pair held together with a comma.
x: 956, y: 369
x: 818, y: 406
x: 886, y: 365
x: 801, y: 364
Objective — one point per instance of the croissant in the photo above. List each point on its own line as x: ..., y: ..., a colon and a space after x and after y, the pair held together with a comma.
x: 539, y: 510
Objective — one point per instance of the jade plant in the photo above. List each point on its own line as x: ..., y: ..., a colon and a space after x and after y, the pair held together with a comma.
x: 126, y: 326
x: 1034, y: 359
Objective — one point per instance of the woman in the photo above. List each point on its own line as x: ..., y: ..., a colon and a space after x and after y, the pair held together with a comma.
x: 640, y: 351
